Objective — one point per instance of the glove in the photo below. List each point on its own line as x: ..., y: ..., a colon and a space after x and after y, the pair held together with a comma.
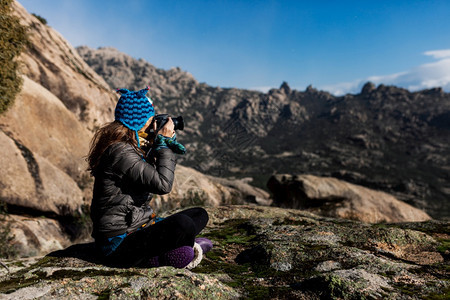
x: 162, y: 142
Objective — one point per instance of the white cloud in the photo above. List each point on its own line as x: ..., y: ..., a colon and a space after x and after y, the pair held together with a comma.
x: 438, y: 53
x: 430, y: 75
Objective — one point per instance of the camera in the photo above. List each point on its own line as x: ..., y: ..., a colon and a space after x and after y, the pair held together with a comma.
x: 161, y: 120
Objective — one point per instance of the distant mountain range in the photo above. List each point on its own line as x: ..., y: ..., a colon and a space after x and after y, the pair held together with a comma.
x: 385, y: 138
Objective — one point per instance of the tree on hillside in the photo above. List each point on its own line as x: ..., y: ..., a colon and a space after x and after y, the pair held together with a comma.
x: 13, y: 38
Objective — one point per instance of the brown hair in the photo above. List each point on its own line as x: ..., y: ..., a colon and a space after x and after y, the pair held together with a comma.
x: 107, y: 135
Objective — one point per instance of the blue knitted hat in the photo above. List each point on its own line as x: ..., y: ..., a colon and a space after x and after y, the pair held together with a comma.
x: 134, y: 109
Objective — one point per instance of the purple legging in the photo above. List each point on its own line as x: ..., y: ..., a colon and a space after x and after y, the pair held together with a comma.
x: 177, y: 230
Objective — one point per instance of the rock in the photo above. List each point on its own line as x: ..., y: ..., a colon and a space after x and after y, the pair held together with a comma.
x: 36, y: 236
x: 17, y: 183
x: 327, y: 266
x: 194, y: 188
x: 336, y: 198
x: 76, y: 274
x: 285, y: 88
x: 136, y: 74
x: 31, y: 182
x: 43, y: 153
x: 351, y: 284
x: 259, y: 253
x: 367, y: 88
x: 44, y: 125
x: 94, y: 282
x: 53, y: 63
x: 244, y: 190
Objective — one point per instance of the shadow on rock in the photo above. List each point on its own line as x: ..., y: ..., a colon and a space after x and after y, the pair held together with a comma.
x: 256, y: 255
x: 86, y: 252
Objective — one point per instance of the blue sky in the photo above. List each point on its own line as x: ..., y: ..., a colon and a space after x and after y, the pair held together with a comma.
x: 332, y: 45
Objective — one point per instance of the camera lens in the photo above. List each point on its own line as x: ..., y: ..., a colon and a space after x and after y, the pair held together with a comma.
x: 178, y: 123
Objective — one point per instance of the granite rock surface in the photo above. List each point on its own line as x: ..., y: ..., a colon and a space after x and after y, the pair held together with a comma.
x: 260, y: 252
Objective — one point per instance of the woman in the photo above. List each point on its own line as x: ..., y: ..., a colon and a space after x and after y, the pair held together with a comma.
x: 125, y: 228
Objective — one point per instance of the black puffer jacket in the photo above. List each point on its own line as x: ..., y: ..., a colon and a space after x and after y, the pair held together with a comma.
x: 124, y: 184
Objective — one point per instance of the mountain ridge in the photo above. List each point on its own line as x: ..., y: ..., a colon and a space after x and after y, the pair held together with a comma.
x: 385, y: 137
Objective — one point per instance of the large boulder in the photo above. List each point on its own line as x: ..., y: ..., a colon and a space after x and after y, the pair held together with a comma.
x: 329, y: 196
x: 191, y: 188
x: 247, y: 191
x: 35, y: 236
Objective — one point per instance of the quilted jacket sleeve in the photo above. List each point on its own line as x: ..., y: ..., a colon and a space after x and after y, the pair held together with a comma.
x: 157, y: 179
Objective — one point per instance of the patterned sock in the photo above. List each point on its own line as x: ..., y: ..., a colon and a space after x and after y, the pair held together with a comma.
x: 177, y: 258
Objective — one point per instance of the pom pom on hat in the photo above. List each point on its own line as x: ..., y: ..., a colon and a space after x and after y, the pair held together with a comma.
x: 134, y: 108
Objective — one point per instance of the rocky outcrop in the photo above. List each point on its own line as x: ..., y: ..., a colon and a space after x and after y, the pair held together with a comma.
x: 138, y: 73
x: 53, y: 63
x: 260, y: 253
x: 245, y: 190
x: 36, y: 236
x: 43, y: 146
x: 67, y: 278
x: 336, y: 198
x: 385, y: 138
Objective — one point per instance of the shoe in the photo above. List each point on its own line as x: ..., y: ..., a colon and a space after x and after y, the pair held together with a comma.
x: 205, y: 243
x: 198, y: 256
x: 177, y: 258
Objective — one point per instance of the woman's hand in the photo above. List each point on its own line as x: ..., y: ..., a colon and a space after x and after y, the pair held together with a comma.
x: 168, y: 130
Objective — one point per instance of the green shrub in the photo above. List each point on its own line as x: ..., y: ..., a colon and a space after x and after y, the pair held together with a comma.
x: 41, y: 19
x: 13, y: 38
